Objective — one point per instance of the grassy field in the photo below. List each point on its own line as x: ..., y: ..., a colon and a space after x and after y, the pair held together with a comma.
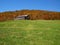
x: 30, y: 32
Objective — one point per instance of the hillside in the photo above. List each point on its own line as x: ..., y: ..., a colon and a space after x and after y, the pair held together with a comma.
x: 34, y: 15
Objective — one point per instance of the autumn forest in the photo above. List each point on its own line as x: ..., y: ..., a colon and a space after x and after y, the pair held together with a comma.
x: 33, y: 14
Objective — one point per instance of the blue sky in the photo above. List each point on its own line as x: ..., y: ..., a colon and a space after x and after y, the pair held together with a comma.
x: 12, y: 5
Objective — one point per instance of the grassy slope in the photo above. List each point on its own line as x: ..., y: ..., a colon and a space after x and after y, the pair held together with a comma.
x: 24, y: 32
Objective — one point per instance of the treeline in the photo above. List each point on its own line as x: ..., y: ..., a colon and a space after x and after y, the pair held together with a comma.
x: 34, y: 15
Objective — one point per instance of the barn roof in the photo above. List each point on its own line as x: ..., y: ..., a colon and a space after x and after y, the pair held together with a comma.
x: 22, y: 15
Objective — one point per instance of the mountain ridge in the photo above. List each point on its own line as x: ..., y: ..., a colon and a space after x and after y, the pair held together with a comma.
x: 34, y: 14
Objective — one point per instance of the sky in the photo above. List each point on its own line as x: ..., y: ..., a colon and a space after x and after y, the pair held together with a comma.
x: 13, y: 5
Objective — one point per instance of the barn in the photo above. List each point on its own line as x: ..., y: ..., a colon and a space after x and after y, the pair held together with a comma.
x: 22, y: 17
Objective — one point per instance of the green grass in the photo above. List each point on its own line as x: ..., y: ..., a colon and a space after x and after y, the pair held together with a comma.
x: 30, y: 32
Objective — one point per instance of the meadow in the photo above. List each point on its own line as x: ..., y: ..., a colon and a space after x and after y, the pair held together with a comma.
x: 30, y: 32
